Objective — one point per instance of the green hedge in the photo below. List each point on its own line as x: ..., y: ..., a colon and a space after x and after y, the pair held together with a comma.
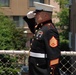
x: 64, y: 44
x: 8, y: 71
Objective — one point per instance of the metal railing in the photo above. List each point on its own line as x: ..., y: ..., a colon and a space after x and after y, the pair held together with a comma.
x: 67, y: 53
x: 11, y: 62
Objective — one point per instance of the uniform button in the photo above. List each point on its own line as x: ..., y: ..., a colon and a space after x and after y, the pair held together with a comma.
x: 51, y: 68
x: 36, y: 26
x: 32, y: 39
x: 37, y: 64
x: 36, y: 30
x: 41, y: 24
x: 37, y: 38
x: 49, y: 24
x: 50, y: 72
x: 31, y: 44
x: 34, y: 34
x: 39, y: 28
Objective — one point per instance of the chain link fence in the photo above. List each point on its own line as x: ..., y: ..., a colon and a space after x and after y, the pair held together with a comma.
x: 68, y: 63
x: 11, y: 62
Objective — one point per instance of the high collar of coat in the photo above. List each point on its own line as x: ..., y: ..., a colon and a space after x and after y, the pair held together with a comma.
x: 42, y: 24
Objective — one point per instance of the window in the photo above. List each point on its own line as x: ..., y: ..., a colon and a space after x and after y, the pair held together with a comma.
x: 4, y: 3
x: 70, y: 2
x: 18, y: 20
x: 31, y: 2
x: 70, y: 39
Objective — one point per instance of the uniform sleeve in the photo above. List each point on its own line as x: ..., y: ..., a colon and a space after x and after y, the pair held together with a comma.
x: 51, y: 38
x: 31, y: 23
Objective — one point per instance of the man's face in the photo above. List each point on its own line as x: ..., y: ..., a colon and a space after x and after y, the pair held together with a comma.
x: 37, y: 17
x: 42, y: 17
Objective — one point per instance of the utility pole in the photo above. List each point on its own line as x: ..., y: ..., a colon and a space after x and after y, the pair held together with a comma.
x: 70, y: 3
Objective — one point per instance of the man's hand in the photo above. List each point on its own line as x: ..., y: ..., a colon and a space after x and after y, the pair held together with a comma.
x: 31, y: 14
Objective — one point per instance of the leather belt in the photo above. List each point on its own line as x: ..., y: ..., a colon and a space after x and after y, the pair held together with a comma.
x: 38, y: 55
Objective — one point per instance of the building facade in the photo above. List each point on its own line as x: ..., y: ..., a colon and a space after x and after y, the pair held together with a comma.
x: 55, y: 10
x: 16, y: 9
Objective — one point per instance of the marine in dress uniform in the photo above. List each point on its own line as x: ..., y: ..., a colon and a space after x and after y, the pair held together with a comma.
x: 44, y: 53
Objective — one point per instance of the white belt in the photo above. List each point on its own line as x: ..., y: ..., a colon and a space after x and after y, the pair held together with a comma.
x: 37, y: 55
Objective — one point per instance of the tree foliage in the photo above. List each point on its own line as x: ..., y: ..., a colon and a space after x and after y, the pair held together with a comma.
x: 63, y: 16
x: 6, y: 33
x: 62, y: 3
x: 10, y: 36
x: 63, y: 23
x: 19, y: 39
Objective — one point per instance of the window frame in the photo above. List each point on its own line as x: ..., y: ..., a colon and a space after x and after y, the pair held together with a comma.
x: 31, y: 3
x: 4, y: 3
x: 18, y: 21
